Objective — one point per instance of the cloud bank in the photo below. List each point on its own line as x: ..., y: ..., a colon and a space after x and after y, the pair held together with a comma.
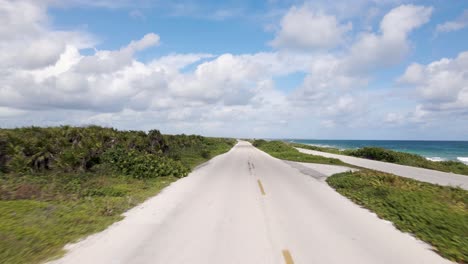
x: 47, y: 79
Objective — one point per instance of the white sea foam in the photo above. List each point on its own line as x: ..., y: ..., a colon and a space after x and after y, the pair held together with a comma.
x: 435, y: 158
x: 325, y: 146
x: 463, y: 159
x: 321, y: 145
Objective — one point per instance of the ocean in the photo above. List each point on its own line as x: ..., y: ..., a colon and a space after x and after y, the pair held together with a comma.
x: 433, y: 150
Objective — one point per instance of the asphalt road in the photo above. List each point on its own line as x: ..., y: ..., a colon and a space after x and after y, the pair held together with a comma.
x: 420, y: 174
x: 247, y: 207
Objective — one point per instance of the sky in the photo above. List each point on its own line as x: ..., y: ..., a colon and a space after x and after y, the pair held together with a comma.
x: 361, y: 69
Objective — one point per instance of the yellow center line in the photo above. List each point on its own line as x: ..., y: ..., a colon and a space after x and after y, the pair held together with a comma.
x: 287, y: 257
x: 261, y: 187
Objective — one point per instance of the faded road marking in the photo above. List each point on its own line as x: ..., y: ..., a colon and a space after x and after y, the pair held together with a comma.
x: 261, y: 187
x: 251, y: 167
x: 287, y: 257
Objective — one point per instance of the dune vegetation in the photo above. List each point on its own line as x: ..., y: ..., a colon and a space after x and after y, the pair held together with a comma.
x: 402, y: 158
x: 435, y: 214
x: 58, y: 184
x: 282, y: 150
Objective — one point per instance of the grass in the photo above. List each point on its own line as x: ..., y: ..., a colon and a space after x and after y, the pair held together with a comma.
x: 435, y: 214
x: 402, y: 158
x: 284, y: 151
x: 32, y: 230
x: 60, y: 184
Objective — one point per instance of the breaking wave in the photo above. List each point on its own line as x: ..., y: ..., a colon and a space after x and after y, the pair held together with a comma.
x: 435, y: 158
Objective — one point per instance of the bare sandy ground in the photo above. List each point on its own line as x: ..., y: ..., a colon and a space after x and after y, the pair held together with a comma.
x: 420, y: 174
x: 219, y: 214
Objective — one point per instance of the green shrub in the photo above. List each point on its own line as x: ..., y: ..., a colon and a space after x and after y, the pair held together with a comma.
x: 205, y: 154
x: 3, y: 152
x: 192, y: 150
x: 435, y: 214
x: 259, y: 142
x: 144, y: 165
x: 19, y: 163
x: 403, y: 158
x: 376, y: 153
x: 282, y: 150
x: 79, y: 149
x: 58, y: 184
x: 409, y: 159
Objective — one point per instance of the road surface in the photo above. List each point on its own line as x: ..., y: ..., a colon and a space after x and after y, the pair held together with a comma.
x: 420, y: 174
x: 319, y: 171
x: 245, y: 207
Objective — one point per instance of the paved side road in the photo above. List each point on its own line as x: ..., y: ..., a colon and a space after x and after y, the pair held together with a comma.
x: 246, y: 207
x: 420, y: 174
x: 318, y: 171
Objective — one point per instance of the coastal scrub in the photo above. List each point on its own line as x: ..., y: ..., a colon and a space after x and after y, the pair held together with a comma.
x: 59, y: 184
x: 282, y: 150
x: 435, y: 214
x: 402, y: 158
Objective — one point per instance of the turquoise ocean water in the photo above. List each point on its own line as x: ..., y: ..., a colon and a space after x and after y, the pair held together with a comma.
x: 434, y: 150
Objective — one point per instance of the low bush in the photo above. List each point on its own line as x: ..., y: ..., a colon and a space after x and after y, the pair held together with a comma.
x: 193, y: 150
x: 375, y: 153
x: 259, y: 142
x: 435, y: 214
x: 282, y: 150
x: 144, y: 165
x: 402, y: 158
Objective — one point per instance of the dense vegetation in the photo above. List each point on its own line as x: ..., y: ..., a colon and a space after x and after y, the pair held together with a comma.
x: 381, y: 154
x: 194, y: 150
x: 282, y: 150
x: 435, y: 214
x: 82, y: 149
x: 58, y: 184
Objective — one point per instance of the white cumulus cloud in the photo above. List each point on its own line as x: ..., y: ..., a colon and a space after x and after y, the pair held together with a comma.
x: 391, y: 44
x: 27, y: 41
x: 47, y: 79
x: 304, y: 28
x: 442, y: 85
x: 454, y: 25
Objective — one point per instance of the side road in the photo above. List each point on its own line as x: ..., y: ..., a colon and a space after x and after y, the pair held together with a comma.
x: 420, y: 174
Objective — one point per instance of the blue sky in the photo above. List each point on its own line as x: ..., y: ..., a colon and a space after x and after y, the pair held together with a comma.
x: 376, y: 69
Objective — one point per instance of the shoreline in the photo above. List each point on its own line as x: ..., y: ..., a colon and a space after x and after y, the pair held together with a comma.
x: 434, y: 158
x: 407, y: 171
